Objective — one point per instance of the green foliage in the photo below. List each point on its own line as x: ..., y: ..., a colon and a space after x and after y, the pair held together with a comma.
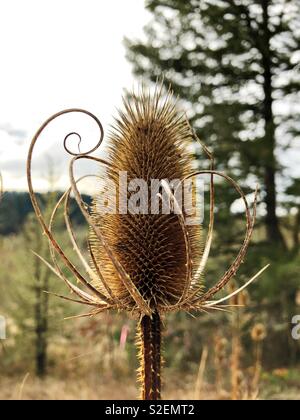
x: 23, y: 281
x: 16, y: 206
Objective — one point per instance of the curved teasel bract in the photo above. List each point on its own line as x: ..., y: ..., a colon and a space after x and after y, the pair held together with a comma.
x: 144, y: 264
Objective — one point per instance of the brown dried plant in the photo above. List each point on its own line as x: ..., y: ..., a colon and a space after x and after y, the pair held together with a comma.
x: 220, y: 362
x: 237, y: 378
x: 258, y: 334
x: 145, y: 265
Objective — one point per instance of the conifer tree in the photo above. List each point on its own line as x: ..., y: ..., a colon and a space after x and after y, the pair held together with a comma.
x: 235, y: 63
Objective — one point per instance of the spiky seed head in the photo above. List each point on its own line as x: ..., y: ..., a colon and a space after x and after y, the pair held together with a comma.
x: 297, y: 298
x: 220, y: 344
x: 150, y: 142
x: 243, y: 298
x: 258, y: 332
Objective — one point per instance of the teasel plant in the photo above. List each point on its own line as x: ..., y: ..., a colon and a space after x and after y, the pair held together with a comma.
x: 146, y: 265
x: 258, y: 335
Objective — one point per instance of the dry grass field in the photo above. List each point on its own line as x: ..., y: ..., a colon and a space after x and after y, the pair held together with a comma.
x: 95, y: 387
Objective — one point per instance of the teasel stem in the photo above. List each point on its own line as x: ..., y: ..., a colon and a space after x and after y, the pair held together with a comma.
x: 149, y: 340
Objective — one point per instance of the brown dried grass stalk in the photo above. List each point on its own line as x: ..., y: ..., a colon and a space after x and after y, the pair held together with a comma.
x: 146, y: 265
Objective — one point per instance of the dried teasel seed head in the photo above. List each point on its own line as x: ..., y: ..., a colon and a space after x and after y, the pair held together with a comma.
x: 220, y: 344
x: 239, y: 377
x: 145, y: 263
x: 258, y: 332
x: 243, y: 298
x: 297, y: 298
x: 149, y: 142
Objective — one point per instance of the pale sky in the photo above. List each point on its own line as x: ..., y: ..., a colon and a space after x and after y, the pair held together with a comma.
x: 59, y: 54
x: 55, y: 55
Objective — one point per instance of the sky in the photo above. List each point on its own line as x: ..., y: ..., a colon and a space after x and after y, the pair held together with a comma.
x: 59, y: 54
x: 54, y: 55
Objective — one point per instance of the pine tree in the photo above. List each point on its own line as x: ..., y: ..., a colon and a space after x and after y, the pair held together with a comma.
x: 235, y: 63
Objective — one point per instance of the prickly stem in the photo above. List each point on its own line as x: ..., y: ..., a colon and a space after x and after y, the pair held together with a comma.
x: 149, y: 343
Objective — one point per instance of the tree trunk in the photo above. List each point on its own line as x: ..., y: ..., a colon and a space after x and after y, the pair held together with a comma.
x: 41, y: 335
x: 296, y: 230
x: 41, y: 320
x: 274, y: 234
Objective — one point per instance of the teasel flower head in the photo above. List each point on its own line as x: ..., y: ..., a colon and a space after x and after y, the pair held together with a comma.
x: 144, y: 263
x: 297, y: 298
x: 258, y: 332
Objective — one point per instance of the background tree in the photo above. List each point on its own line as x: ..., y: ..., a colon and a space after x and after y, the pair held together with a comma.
x: 40, y: 283
x: 34, y: 319
x: 293, y: 205
x: 235, y: 63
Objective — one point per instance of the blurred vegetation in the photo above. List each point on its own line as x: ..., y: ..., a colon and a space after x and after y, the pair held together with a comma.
x: 83, y: 347
x: 235, y: 65
x: 17, y: 206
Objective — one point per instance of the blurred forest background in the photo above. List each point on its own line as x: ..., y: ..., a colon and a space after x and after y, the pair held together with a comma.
x: 234, y: 65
